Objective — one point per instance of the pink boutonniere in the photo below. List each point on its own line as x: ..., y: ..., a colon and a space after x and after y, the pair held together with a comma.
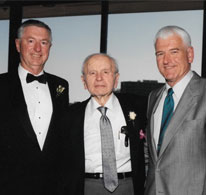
x: 141, y: 134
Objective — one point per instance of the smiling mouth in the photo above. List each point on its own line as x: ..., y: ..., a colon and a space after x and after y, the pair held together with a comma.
x: 169, y: 67
x: 36, y: 55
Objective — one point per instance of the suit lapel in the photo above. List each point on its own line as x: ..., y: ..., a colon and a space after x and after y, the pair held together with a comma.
x: 186, y: 103
x: 77, y: 112
x: 125, y: 108
x: 20, y: 107
x: 154, y: 105
x: 132, y: 125
x: 52, y: 88
x: 81, y: 117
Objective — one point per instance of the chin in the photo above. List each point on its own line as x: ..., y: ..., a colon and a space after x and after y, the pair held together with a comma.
x: 169, y: 76
x: 100, y: 94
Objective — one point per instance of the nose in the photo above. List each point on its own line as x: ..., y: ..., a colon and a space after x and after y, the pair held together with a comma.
x: 37, y: 47
x: 99, y: 77
x: 166, y: 58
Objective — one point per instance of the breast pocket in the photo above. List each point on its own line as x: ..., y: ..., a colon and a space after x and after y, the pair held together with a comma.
x: 195, y: 126
x: 192, y: 135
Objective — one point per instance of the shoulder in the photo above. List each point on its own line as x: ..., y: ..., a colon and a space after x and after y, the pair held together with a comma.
x: 4, y: 76
x: 76, y: 113
x: 77, y: 106
x: 9, y: 84
x: 156, y: 92
x: 55, y: 78
x: 126, y: 96
x: 201, y: 80
x: 132, y: 99
x: 134, y: 103
x: 8, y: 80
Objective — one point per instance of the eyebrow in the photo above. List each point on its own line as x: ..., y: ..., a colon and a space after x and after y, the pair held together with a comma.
x: 157, y: 52
x: 169, y: 50
x: 174, y: 49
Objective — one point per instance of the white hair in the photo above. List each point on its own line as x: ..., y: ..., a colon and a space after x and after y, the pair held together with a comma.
x: 167, y: 31
x: 101, y: 54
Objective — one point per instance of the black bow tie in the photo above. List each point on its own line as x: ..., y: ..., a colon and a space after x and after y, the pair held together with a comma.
x: 41, y: 78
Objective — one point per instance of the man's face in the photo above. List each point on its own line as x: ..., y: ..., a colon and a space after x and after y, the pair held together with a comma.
x: 173, y: 58
x: 34, y: 47
x: 99, y: 76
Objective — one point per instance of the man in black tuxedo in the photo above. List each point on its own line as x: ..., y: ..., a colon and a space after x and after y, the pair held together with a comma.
x: 30, y: 103
x: 84, y: 170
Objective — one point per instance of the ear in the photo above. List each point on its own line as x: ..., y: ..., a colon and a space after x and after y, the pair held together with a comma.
x: 84, y: 81
x: 17, y: 42
x: 190, y: 54
x: 116, y: 80
x: 50, y: 46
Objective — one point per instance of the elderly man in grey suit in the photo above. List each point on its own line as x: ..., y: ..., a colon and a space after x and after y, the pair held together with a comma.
x: 176, y: 132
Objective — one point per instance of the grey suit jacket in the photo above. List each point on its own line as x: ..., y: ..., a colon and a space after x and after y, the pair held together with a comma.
x: 180, y: 168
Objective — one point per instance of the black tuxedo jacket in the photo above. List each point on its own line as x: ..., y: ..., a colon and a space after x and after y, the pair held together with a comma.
x: 74, y: 167
x: 25, y: 169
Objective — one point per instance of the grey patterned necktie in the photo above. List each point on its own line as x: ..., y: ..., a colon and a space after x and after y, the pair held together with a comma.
x: 108, y: 152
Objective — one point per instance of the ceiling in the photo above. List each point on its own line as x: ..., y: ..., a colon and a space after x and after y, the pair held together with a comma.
x: 40, y: 8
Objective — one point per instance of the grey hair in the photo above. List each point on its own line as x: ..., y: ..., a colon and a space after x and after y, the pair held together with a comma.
x: 33, y: 23
x: 167, y: 31
x: 85, y: 62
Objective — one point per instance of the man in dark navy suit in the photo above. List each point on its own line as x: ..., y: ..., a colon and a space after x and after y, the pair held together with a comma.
x: 31, y: 102
x: 85, y: 171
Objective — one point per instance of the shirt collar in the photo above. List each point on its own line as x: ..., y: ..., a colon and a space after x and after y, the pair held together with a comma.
x: 23, y: 72
x: 179, y: 87
x: 110, y: 104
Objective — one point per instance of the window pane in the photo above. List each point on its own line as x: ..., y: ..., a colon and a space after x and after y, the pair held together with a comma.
x: 4, y: 45
x: 130, y: 41
x: 74, y: 38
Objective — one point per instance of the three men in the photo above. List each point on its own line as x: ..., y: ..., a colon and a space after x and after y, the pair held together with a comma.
x: 176, y: 130
x: 30, y: 140
x: 114, y: 165
x: 31, y: 103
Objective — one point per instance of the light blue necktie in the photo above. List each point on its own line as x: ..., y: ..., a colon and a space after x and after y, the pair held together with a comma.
x: 108, y: 152
x: 168, y: 109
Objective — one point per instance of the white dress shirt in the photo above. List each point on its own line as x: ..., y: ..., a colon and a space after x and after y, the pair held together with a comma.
x: 92, y: 137
x: 39, y: 105
x: 178, y: 89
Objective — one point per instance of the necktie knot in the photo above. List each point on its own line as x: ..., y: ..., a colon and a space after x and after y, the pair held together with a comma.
x: 103, y: 110
x: 170, y: 92
x: 40, y: 79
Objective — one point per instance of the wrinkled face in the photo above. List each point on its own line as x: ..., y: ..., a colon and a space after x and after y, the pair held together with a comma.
x: 173, y: 58
x: 99, y: 76
x: 34, y: 47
